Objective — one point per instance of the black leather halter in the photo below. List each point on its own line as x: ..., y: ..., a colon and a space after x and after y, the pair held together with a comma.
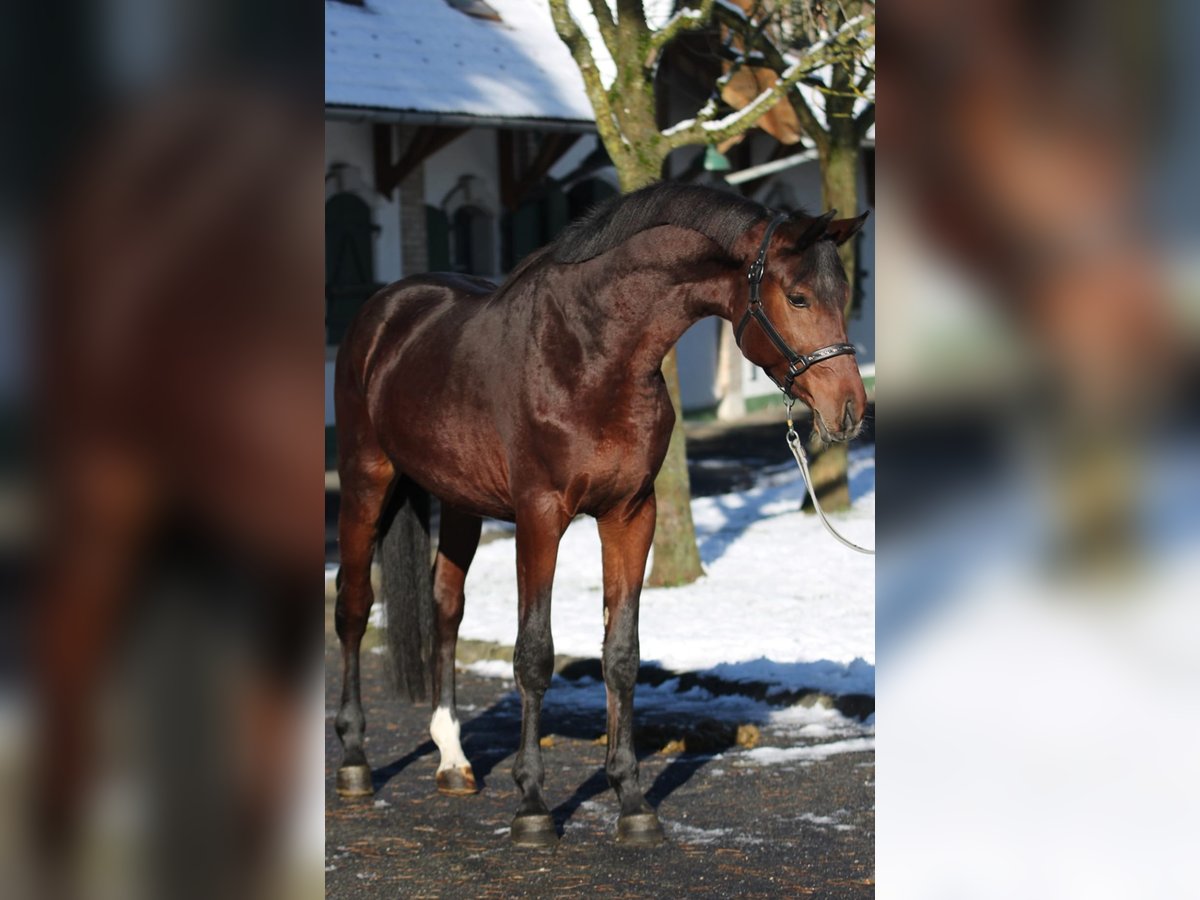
x: 798, y: 363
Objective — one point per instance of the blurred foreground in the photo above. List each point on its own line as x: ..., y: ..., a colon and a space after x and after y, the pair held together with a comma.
x: 1038, y: 515
x: 162, y: 407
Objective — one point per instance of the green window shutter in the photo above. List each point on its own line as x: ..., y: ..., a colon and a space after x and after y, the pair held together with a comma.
x: 525, y: 233
x: 349, y: 261
x: 437, y: 233
x: 557, y: 212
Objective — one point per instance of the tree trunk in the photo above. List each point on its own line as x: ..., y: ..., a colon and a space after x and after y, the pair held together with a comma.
x: 676, y: 557
x: 839, y: 189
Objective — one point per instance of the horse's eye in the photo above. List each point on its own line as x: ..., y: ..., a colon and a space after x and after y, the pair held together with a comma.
x: 798, y: 300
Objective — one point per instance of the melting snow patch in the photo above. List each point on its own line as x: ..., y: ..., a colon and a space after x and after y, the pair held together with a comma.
x: 491, y: 668
x: 766, y: 756
x: 815, y: 819
x: 694, y: 835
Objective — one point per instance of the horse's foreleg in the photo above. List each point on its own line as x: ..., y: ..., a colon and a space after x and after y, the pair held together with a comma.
x: 538, y: 534
x: 458, y: 539
x: 363, y: 495
x: 625, y: 535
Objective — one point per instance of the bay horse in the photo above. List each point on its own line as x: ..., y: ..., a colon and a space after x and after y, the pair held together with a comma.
x: 543, y: 399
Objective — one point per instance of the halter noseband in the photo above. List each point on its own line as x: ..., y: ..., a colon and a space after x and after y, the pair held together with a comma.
x: 798, y: 363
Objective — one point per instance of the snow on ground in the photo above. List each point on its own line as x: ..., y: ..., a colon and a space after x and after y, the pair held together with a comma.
x: 781, y: 601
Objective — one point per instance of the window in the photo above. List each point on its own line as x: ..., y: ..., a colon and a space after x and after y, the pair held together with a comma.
x: 472, y: 241
x: 349, y: 261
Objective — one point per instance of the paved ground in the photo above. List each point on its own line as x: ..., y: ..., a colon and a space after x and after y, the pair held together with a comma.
x: 800, y: 829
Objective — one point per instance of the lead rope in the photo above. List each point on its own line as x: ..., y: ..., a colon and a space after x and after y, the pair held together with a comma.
x: 797, y: 448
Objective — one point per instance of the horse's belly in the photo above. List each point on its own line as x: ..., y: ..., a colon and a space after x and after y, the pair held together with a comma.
x: 467, y: 473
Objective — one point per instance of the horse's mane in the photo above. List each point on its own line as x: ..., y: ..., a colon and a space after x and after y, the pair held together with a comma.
x: 719, y: 215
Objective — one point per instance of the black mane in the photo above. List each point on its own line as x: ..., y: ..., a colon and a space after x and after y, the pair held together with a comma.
x: 719, y: 215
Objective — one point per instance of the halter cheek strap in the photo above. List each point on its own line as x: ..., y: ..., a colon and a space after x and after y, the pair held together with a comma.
x: 798, y: 363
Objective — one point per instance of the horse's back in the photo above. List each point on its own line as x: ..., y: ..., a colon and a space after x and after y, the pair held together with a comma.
x: 397, y: 311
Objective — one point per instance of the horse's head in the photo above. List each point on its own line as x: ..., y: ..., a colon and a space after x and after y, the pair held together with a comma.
x: 802, y: 293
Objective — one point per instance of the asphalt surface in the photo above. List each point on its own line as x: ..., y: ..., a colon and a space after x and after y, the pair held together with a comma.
x: 733, y: 828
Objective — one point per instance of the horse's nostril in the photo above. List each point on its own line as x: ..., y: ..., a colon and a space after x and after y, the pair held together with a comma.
x: 848, y: 417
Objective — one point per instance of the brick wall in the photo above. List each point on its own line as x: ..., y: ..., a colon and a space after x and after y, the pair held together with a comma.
x: 414, y: 249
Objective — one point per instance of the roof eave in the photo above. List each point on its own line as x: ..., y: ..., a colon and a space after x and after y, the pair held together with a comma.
x: 344, y: 113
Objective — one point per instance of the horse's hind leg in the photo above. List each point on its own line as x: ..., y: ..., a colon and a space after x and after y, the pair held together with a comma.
x: 365, y: 479
x: 625, y: 537
x: 458, y: 537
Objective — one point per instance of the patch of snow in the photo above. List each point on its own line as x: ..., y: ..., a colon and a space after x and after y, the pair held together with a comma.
x: 812, y: 722
x: 766, y: 756
x: 491, y: 668
x: 814, y: 819
x: 694, y: 835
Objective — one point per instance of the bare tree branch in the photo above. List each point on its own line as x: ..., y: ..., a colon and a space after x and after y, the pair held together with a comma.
x: 809, y: 122
x: 865, y: 120
x: 867, y: 77
x: 706, y: 129
x: 577, y: 42
x: 684, y: 20
x: 608, y: 27
x: 631, y: 12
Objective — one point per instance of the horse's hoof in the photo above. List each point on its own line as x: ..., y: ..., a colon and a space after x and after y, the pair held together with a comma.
x: 639, y: 830
x: 354, y: 781
x: 457, y: 782
x: 534, y: 831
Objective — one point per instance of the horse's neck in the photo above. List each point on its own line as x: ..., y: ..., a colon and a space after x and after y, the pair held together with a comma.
x: 695, y: 281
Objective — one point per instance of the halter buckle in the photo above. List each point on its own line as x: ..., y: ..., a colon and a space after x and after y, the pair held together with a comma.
x: 755, y: 276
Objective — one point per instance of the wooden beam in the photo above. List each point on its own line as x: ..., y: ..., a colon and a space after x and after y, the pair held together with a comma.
x: 505, y: 139
x: 426, y: 141
x: 516, y: 186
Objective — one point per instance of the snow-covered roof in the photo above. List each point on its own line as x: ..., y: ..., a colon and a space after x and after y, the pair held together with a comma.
x: 424, y: 56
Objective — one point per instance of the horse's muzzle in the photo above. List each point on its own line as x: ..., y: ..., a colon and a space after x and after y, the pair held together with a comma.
x: 848, y: 428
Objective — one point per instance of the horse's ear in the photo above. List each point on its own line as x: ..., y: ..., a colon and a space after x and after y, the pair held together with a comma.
x: 815, y: 229
x: 841, y: 230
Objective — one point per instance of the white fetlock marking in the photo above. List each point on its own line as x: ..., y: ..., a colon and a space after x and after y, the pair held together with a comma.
x: 444, y: 731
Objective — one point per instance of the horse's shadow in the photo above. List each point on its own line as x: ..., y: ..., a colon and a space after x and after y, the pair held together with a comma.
x: 492, y: 737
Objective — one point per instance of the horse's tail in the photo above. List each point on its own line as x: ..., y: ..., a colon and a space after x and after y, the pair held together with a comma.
x: 407, y: 588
